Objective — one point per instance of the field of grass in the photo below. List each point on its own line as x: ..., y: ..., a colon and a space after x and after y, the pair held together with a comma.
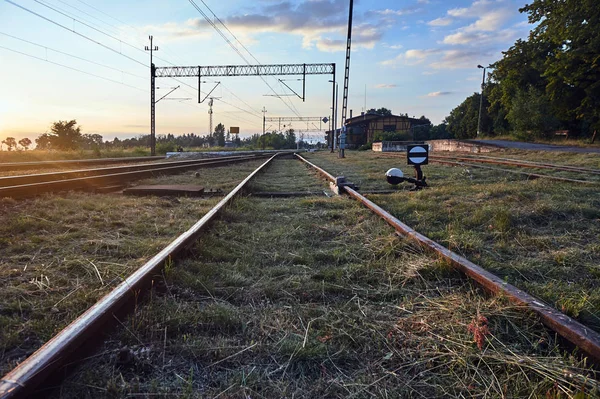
x: 539, y: 235
x: 60, y: 253
x: 55, y: 155
x: 317, y: 297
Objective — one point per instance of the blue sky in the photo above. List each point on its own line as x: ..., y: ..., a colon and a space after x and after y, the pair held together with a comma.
x: 417, y: 56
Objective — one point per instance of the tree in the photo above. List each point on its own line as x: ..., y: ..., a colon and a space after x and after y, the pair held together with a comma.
x: 220, y: 135
x: 43, y: 142
x: 25, y: 143
x: 572, y: 68
x: 381, y: 111
x: 10, y: 143
x: 462, y: 121
x: 531, y: 114
x: 64, y: 135
x: 290, y: 139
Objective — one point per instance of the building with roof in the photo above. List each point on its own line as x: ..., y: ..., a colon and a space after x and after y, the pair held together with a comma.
x: 362, y: 129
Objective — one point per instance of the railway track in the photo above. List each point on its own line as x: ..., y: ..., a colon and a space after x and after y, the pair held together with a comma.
x: 475, y: 161
x: 10, y: 166
x: 62, y: 348
x: 94, y: 179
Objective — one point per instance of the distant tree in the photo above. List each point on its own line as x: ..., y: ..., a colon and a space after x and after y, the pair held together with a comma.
x: 381, y: 111
x: 462, y: 121
x: 10, y: 142
x: 91, y: 141
x: 290, y: 138
x: 64, y: 135
x: 440, y: 132
x: 220, y: 135
x: 25, y: 143
x: 531, y: 114
x: 43, y: 142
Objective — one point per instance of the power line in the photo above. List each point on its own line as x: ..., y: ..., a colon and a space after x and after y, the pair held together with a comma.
x: 206, y: 17
x: 72, y: 55
x: 73, y: 69
x: 77, y: 33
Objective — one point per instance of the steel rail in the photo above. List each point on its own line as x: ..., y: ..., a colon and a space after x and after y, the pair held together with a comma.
x: 533, y: 175
x: 98, y: 161
x: 581, y: 336
x: 7, y: 181
x: 52, y: 355
x: 95, y: 182
x: 516, y: 162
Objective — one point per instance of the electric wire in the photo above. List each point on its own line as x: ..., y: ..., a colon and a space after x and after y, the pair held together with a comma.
x: 207, y: 18
x: 72, y: 68
x: 77, y: 33
x: 72, y: 55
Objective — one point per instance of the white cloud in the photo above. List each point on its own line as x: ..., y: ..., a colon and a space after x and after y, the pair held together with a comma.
x: 385, y: 86
x: 440, y: 22
x: 411, y: 57
x: 460, y: 58
x: 438, y: 94
x: 321, y: 24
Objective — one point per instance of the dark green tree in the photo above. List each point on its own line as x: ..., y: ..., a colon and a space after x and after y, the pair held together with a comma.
x: 572, y: 67
x: 381, y: 111
x: 462, y: 121
x: 220, y: 135
x: 64, y: 135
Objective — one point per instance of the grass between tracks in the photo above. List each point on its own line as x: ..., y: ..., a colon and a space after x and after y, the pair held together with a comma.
x: 540, y: 235
x: 317, y: 297
x: 60, y: 253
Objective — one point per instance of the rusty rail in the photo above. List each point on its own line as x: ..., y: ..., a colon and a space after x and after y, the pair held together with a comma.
x: 517, y: 162
x: 531, y: 175
x: 7, y: 181
x: 74, y: 162
x: 581, y: 336
x: 94, y: 182
x: 22, y: 380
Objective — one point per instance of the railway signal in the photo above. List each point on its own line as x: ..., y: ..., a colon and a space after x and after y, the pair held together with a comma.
x: 416, y: 155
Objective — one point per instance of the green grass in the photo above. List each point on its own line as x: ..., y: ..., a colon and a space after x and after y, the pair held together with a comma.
x: 60, y: 253
x: 318, y: 297
x: 540, y: 235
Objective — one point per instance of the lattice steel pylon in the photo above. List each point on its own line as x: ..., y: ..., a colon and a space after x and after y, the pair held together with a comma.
x: 347, y: 72
x: 210, y: 114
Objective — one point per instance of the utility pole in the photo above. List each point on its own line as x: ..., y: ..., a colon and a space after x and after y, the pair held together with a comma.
x: 152, y: 48
x: 346, y: 75
x: 264, y: 111
x: 210, y: 114
x: 480, y: 100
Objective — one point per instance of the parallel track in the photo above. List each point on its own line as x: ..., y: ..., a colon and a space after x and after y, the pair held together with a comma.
x: 53, y: 355
x: 93, y: 179
x: 75, y: 162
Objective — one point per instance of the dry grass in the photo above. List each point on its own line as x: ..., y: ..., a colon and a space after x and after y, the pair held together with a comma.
x: 317, y: 297
x: 538, y: 235
x: 60, y: 253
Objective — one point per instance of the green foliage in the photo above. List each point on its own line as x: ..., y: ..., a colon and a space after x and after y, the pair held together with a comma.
x: 64, y: 135
x: 531, y: 114
x: 381, y: 111
x: 220, y: 135
x: 166, y: 146
x: 462, y: 121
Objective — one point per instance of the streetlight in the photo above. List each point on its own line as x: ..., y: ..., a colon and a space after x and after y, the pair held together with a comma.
x: 334, y: 111
x: 480, y: 100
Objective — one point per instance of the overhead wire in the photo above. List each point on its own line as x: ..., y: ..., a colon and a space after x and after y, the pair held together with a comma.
x: 206, y: 17
x: 72, y: 68
x: 72, y: 55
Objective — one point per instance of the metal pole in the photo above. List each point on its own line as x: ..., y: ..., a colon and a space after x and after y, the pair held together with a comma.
x: 152, y: 48
x: 480, y: 102
x: 332, y: 108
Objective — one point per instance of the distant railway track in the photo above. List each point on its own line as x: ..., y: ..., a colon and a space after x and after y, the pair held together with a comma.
x: 474, y: 162
x: 77, y: 162
x: 94, y: 179
x: 62, y: 349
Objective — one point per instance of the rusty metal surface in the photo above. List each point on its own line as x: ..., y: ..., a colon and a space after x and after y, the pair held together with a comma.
x: 74, y: 162
x: 171, y: 190
x: 321, y: 171
x: 95, y: 182
x: 576, y: 333
x: 24, y: 378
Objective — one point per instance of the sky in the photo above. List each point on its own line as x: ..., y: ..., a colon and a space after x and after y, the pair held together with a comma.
x: 85, y: 60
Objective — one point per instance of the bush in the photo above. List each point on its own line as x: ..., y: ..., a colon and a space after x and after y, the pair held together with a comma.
x: 164, y: 147
x: 365, y: 147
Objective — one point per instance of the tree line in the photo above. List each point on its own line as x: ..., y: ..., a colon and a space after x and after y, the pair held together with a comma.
x: 67, y: 136
x: 549, y: 82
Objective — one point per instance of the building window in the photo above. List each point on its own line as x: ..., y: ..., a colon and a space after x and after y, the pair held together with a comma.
x: 389, y: 128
